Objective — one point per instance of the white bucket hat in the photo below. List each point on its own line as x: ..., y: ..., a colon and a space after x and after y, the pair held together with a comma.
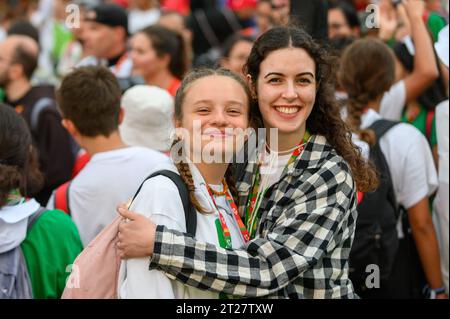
x: 148, y: 117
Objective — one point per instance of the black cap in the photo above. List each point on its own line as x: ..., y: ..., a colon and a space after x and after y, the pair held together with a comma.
x: 108, y: 14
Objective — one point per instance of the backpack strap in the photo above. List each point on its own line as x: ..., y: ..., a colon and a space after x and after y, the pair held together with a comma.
x: 206, y: 28
x: 189, y: 210
x: 33, y: 218
x: 380, y: 128
x: 62, y: 198
x: 38, y: 107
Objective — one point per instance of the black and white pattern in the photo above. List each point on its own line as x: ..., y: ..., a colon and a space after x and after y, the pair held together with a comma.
x: 303, y: 242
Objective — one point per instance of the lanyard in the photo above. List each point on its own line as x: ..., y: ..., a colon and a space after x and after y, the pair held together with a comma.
x: 223, y: 231
x: 255, y: 197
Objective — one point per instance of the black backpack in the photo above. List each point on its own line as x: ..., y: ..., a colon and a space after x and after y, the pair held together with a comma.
x: 189, y: 210
x: 49, y: 104
x: 376, y: 240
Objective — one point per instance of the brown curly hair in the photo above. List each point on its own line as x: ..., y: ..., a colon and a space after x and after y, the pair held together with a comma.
x: 325, y: 118
x: 19, y: 166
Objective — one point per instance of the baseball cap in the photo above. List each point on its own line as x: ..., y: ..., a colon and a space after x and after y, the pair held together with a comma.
x: 108, y: 14
x: 148, y: 117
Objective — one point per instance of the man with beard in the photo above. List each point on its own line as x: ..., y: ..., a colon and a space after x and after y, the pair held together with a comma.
x: 18, y: 61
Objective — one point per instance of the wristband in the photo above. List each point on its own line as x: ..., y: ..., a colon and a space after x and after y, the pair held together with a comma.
x: 432, y: 293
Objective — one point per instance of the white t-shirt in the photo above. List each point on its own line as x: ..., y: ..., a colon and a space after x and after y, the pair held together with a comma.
x: 393, y: 102
x: 410, y: 161
x: 123, y: 69
x: 272, y: 166
x: 159, y: 200
x: 108, y: 179
x: 441, y: 202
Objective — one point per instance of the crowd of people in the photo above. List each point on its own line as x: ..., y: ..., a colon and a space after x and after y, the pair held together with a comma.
x: 327, y: 121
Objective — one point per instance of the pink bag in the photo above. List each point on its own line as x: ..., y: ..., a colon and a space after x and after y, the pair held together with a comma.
x: 95, y: 271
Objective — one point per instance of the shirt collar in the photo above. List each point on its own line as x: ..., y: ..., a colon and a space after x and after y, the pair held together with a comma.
x: 368, y: 118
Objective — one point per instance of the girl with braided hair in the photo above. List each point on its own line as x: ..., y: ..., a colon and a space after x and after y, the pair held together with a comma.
x: 366, y: 72
x: 209, y: 105
x: 299, y: 208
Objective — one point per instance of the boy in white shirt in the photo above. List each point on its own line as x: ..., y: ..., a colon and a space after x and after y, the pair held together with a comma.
x: 89, y: 99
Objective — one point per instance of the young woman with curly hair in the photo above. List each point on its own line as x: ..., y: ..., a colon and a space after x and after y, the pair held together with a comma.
x: 298, y: 198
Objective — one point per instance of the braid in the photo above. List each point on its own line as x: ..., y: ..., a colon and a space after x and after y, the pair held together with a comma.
x: 186, y: 175
x: 229, y: 178
x: 355, y: 109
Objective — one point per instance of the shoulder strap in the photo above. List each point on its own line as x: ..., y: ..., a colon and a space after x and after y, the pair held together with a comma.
x: 189, y: 210
x: 62, y: 198
x: 206, y: 28
x: 38, y: 107
x: 380, y: 127
x: 33, y: 218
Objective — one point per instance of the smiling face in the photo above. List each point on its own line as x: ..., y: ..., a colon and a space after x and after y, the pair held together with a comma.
x: 287, y: 91
x: 213, y: 107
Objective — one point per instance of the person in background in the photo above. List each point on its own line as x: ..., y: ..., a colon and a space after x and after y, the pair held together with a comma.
x: 411, y: 167
x: 73, y: 51
x: 343, y: 21
x: 89, y: 100
x: 175, y: 21
x: 141, y: 14
x: 211, y: 25
x: 419, y: 86
x: 236, y: 50
x: 441, y: 202
x: 159, y: 57
x: 18, y: 61
x: 409, y: 86
x: 263, y: 17
x: 105, y: 39
x: 37, y: 246
x: 147, y: 121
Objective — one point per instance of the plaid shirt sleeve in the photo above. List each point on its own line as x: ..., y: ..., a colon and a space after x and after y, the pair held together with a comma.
x: 301, y: 234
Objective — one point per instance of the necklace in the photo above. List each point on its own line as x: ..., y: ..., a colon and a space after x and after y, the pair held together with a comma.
x: 218, y: 193
x: 286, y: 152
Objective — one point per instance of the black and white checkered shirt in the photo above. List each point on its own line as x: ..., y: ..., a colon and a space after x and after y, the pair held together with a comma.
x: 303, y: 242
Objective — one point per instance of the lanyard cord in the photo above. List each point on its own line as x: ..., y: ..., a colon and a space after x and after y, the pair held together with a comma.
x: 223, y: 231
x: 255, y: 197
